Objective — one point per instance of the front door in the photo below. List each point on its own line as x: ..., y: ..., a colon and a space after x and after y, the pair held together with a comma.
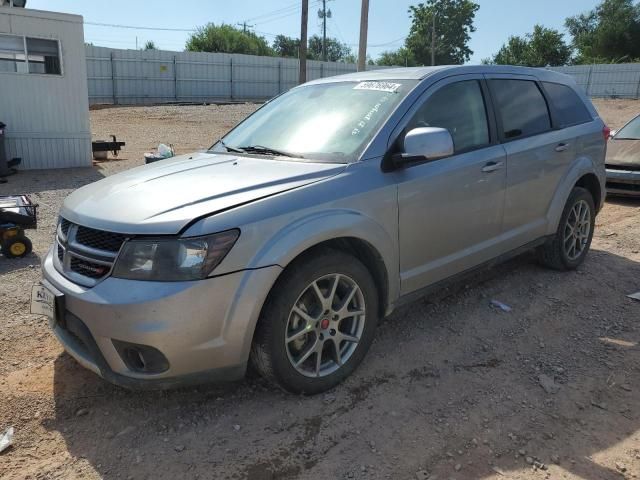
x: 450, y: 210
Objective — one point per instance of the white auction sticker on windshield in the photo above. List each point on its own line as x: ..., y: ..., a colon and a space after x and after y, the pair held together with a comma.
x: 378, y: 86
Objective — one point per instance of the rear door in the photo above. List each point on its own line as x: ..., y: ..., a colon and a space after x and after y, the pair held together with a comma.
x: 538, y: 154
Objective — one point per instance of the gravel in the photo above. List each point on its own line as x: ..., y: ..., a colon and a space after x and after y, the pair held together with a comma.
x: 446, y: 374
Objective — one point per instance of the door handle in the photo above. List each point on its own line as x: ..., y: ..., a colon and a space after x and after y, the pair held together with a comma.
x: 562, y: 147
x: 492, y: 167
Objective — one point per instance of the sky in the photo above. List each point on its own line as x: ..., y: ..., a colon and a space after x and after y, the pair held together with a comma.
x: 389, y: 20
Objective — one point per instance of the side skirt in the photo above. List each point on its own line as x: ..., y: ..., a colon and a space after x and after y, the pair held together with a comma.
x: 424, y: 291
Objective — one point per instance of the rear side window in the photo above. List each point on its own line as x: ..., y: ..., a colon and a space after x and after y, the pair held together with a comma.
x: 458, y: 107
x: 521, y: 107
x: 567, y: 104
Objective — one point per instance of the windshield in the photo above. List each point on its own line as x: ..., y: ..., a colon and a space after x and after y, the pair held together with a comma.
x: 330, y: 122
x: 631, y: 131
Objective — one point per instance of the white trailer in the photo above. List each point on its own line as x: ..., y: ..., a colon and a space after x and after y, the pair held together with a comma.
x: 43, y: 88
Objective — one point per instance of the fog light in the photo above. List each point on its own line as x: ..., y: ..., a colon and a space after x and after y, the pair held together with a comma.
x: 141, y: 358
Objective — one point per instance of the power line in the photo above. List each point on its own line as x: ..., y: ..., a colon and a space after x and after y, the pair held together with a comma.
x: 292, y: 6
x: 133, y: 27
x: 244, y: 26
x: 388, y: 43
x: 296, y: 11
x: 335, y: 24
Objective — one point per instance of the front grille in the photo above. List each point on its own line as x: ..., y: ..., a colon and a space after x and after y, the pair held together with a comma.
x: 64, y: 226
x: 87, y: 268
x: 86, y: 255
x: 99, y: 239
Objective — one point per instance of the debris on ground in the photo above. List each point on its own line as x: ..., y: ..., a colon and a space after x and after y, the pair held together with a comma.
x: 548, y: 384
x: 162, y: 153
x: 502, y: 306
x: 6, y: 439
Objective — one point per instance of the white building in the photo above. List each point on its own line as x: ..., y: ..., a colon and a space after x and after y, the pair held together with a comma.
x: 43, y: 88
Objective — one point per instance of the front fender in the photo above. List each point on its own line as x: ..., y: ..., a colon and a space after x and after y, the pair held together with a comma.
x: 306, y: 232
x: 580, y: 167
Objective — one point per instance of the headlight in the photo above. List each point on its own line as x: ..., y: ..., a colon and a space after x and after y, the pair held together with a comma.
x: 175, y: 259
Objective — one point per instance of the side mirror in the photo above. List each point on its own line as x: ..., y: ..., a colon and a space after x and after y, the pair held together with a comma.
x: 425, y: 143
x: 612, y: 133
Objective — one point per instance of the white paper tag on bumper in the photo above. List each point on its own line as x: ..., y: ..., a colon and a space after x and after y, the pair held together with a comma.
x: 379, y: 86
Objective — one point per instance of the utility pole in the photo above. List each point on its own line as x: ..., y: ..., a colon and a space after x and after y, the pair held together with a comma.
x: 323, y: 13
x: 433, y: 39
x: 244, y: 26
x: 364, y: 24
x: 304, y: 19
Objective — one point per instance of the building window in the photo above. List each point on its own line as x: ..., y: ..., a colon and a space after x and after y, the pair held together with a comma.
x: 12, y: 57
x: 19, y: 54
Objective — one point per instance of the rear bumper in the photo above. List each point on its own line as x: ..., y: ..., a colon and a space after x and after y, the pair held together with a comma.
x: 623, y: 182
x: 202, y: 330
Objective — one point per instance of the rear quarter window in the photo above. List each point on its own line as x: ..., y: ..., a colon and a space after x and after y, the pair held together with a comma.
x: 568, y: 106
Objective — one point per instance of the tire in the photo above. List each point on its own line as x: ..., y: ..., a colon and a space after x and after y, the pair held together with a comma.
x: 553, y: 254
x: 17, y: 247
x: 274, y: 357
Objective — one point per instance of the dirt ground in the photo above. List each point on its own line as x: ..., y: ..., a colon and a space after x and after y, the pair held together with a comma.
x: 452, y: 387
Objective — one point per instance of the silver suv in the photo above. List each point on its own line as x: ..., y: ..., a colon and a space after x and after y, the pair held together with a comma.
x: 285, y: 243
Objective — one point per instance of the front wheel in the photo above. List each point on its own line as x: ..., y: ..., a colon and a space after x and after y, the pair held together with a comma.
x: 317, y: 323
x: 570, y: 244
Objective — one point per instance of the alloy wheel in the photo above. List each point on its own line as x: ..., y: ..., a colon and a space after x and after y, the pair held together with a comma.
x: 325, y: 325
x: 577, y: 230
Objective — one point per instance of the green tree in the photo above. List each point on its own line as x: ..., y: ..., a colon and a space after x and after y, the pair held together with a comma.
x: 336, y: 51
x: 402, y: 57
x: 150, y: 45
x: 544, y: 47
x: 453, y: 26
x: 227, y: 39
x: 284, y: 46
x: 608, y: 33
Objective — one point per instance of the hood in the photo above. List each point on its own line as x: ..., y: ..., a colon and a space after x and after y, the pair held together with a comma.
x: 623, y: 153
x: 163, y: 197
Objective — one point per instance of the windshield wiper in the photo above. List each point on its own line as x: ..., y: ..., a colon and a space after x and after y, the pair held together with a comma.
x: 261, y: 150
x: 230, y: 148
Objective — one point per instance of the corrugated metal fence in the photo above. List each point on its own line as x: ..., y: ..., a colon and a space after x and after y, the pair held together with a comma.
x: 132, y: 77
x: 614, y: 81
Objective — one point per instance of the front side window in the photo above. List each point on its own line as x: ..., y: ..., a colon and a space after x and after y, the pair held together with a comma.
x: 458, y: 107
x: 29, y: 55
x: 330, y: 122
x: 631, y: 131
x: 521, y: 107
x: 568, y: 106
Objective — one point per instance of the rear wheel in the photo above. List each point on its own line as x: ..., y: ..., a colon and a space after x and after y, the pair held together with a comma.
x: 17, y: 246
x: 317, y: 324
x: 572, y: 240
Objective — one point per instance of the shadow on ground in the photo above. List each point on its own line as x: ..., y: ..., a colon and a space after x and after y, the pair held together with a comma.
x: 10, y: 264
x: 624, y: 201
x: 37, y: 181
x: 451, y: 386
